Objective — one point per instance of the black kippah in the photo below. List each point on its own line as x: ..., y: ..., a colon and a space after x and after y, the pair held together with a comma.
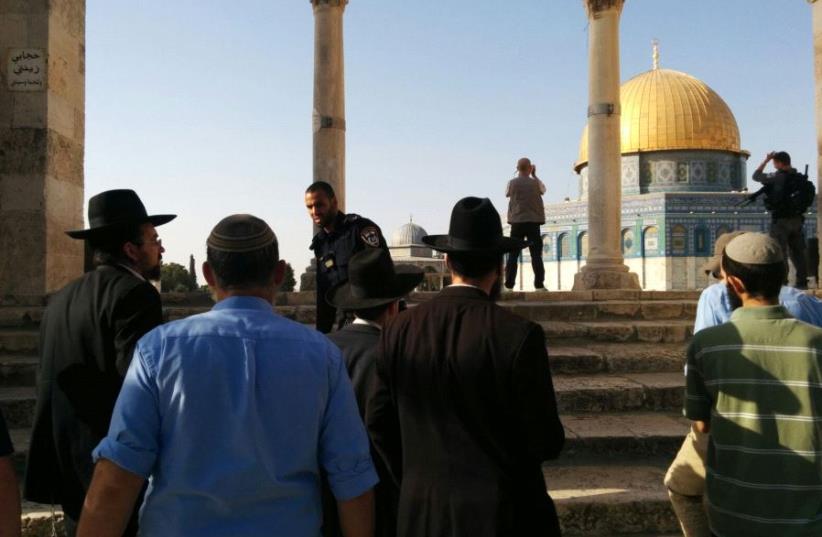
x: 240, y: 233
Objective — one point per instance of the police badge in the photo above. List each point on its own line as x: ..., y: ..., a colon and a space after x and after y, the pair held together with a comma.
x: 371, y: 236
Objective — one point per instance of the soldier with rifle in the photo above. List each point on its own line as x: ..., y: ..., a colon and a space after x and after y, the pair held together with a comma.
x: 788, y: 194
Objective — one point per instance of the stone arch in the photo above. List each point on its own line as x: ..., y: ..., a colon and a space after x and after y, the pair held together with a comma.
x: 650, y: 248
x: 582, y: 245
x: 628, y: 242
x: 650, y: 241
x: 563, y: 246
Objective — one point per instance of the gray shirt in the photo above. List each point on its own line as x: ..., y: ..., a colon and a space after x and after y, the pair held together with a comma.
x: 525, y: 200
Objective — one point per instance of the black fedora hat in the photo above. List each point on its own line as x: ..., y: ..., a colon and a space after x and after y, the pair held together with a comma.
x: 113, y: 209
x: 475, y: 228
x: 373, y: 280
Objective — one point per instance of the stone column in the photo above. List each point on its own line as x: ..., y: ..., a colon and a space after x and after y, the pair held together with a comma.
x: 42, y: 119
x: 816, y: 14
x: 604, y: 268
x: 328, y: 117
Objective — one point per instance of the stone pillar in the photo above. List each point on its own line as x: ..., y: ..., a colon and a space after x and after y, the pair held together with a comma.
x: 42, y: 117
x: 816, y: 14
x: 328, y: 117
x: 604, y: 268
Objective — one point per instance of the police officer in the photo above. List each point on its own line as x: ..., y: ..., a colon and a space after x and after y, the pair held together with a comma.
x: 341, y: 236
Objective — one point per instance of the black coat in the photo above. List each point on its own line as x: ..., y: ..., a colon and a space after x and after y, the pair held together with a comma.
x: 352, y: 233
x: 87, y: 337
x: 359, y: 345
x: 464, y: 416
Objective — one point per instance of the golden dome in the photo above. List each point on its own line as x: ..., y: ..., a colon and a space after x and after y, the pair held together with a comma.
x: 664, y: 109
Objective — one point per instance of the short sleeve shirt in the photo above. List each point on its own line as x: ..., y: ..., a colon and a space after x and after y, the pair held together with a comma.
x: 6, y: 448
x: 714, y: 306
x: 758, y: 380
x: 234, y: 415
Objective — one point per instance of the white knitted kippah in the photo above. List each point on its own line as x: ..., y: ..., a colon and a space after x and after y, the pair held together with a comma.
x: 754, y: 249
x: 240, y: 233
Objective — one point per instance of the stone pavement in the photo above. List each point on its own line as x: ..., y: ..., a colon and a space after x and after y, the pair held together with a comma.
x: 617, y: 360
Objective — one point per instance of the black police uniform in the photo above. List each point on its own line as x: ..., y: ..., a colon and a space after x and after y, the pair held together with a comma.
x: 352, y: 233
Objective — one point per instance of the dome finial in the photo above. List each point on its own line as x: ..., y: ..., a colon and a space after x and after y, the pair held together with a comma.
x: 655, y: 53
x: 410, y: 218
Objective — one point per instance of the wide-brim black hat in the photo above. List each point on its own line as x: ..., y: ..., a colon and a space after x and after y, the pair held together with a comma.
x: 475, y: 228
x: 373, y: 280
x: 115, y: 209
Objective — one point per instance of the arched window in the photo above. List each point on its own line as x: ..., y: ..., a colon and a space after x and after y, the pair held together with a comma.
x: 628, y: 242
x: 702, y: 241
x: 548, y: 246
x: 679, y: 240
x: 582, y: 245
x: 650, y: 240
x: 564, y: 246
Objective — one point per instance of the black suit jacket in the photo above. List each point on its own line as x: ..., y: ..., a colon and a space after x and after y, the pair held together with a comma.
x: 464, y: 415
x: 359, y: 344
x: 87, y: 337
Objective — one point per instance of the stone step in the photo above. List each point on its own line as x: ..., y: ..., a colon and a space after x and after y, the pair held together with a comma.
x: 18, y: 370
x: 19, y: 341
x: 601, y: 436
x: 599, y: 295
x: 535, y: 311
x: 576, y: 357
x: 591, y: 500
x: 603, y: 311
x: 37, y: 518
x: 611, y: 499
x: 615, y: 393
x: 586, y: 435
x: 673, y: 331
x: 579, y: 358
x: 20, y: 316
x: 18, y: 405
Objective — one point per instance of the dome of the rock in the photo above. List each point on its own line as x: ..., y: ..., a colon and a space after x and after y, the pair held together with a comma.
x: 664, y: 110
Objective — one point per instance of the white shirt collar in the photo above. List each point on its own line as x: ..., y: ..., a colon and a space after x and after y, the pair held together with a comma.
x: 464, y: 285
x: 366, y: 322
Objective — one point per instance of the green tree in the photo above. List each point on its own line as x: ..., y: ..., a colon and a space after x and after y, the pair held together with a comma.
x: 289, y: 283
x: 176, y: 278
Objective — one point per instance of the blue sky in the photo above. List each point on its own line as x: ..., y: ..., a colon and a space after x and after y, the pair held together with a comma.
x: 204, y: 107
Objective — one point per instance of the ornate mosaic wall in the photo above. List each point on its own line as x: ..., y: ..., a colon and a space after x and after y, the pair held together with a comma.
x: 665, y: 236
x: 678, y: 171
x: 659, y: 225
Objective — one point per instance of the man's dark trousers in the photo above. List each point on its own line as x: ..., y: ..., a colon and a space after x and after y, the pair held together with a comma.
x: 528, y: 231
x: 790, y: 235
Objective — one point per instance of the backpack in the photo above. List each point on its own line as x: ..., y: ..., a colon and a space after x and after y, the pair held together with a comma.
x: 794, y: 197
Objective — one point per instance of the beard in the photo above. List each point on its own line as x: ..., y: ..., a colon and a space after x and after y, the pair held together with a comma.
x: 154, y: 273
x: 733, y: 298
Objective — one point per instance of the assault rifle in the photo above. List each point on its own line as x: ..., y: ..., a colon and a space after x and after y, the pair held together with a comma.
x: 764, y: 190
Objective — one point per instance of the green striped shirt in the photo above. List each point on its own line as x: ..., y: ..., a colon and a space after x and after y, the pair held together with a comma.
x: 758, y: 380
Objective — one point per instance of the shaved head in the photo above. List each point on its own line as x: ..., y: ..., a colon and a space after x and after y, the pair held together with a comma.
x: 524, y: 164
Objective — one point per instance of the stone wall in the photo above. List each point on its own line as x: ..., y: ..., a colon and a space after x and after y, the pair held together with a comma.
x: 42, y: 122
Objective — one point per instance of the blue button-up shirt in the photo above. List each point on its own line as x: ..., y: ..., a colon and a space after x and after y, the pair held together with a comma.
x: 714, y: 307
x: 231, y: 415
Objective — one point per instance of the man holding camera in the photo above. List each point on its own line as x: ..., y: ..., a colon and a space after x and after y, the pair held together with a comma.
x: 782, y: 188
x: 526, y: 214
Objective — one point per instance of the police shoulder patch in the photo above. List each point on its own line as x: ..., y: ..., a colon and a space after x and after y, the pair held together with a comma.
x: 370, y: 235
